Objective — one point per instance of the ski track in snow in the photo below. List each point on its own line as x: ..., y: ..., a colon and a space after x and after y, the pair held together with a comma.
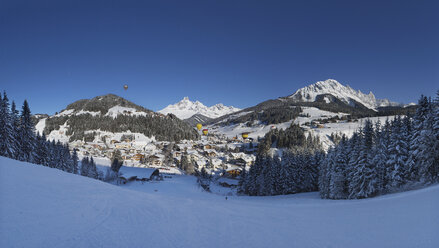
x: 44, y: 207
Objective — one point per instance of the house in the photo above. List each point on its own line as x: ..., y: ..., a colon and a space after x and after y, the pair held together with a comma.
x: 207, y: 147
x: 138, y: 157
x: 126, y: 157
x: 233, y: 171
x: 123, y: 146
x: 176, y: 154
x: 211, y: 153
x: 216, y: 163
x: 155, y: 159
x: 193, y: 155
x: 242, y: 159
x: 128, y: 174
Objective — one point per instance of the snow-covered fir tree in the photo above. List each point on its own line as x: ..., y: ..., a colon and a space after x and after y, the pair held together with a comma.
x: 7, y: 137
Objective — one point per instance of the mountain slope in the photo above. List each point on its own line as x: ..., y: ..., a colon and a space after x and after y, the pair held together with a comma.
x: 197, y: 118
x: 187, y: 108
x: 87, y: 118
x: 341, y: 92
x: 44, y: 207
x: 323, y: 102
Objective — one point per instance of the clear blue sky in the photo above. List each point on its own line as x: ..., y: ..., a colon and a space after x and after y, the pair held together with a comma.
x: 235, y: 52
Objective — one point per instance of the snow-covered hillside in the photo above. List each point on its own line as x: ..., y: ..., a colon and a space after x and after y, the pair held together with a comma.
x: 187, y: 108
x: 113, y: 112
x: 309, y: 114
x: 343, y: 93
x: 44, y: 207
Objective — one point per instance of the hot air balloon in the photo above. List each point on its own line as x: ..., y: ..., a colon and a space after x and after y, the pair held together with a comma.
x: 125, y: 87
x: 205, y: 131
x: 244, y: 135
x: 199, y: 126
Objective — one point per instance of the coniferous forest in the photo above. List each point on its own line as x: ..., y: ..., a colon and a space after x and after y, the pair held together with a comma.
x: 380, y: 158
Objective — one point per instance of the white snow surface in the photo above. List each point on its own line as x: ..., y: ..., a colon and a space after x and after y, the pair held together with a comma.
x: 187, y: 108
x: 44, y: 207
x: 119, y: 110
x: 39, y: 128
x: 260, y: 129
x: 60, y: 134
x: 346, y: 128
x: 82, y: 112
x: 65, y: 112
x: 344, y: 93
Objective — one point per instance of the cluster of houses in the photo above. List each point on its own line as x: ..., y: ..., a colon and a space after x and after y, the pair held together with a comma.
x: 228, y: 157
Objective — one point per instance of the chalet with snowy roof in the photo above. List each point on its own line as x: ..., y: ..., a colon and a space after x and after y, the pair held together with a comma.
x: 194, y: 155
x: 128, y: 174
x: 233, y: 171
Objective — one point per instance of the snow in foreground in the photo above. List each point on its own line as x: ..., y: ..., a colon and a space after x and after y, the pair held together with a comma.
x: 43, y: 207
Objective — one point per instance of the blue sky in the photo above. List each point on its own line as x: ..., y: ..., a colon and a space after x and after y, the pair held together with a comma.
x: 235, y: 52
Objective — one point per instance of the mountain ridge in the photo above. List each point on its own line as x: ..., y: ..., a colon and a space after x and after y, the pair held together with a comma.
x: 344, y: 93
x: 186, y: 108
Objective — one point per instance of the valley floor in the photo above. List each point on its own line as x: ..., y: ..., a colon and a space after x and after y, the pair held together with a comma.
x: 43, y: 207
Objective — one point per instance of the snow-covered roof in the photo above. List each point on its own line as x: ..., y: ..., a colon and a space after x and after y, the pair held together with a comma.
x: 130, y: 172
x: 217, y: 161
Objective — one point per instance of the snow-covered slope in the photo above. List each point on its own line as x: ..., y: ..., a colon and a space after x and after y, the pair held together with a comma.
x: 309, y: 114
x: 88, y: 117
x: 44, y: 207
x: 344, y: 93
x: 187, y: 108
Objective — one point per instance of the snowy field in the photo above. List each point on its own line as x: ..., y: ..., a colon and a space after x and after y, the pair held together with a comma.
x: 43, y: 207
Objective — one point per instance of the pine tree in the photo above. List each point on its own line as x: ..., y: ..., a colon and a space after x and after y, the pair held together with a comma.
x: 27, y: 139
x: 42, y: 151
x: 117, y: 161
x: 75, y: 161
x: 15, y: 120
x: 435, y: 137
x: 92, y: 170
x: 85, y: 166
x: 422, y: 113
x: 380, y: 158
x: 354, y: 147
x: 7, y: 137
x: 338, y: 182
x: 363, y: 181
x: 398, y: 155
x: 425, y: 153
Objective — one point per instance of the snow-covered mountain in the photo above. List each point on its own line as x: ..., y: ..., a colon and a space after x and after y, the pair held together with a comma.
x: 187, y: 108
x: 343, y: 93
x: 109, y: 115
